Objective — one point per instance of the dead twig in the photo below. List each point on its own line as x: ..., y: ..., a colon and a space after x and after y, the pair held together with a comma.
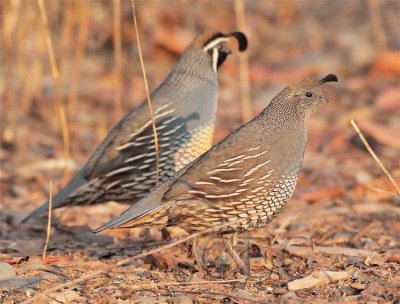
x: 175, y: 283
x: 374, y: 156
x: 355, y: 239
x: 304, y: 252
x: 147, y: 92
x: 48, y: 220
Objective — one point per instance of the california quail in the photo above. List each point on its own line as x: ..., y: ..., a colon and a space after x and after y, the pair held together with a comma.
x: 245, y: 179
x: 123, y: 168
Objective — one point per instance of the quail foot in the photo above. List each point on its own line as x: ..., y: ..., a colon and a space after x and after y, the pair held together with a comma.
x: 241, y: 183
x: 124, y: 167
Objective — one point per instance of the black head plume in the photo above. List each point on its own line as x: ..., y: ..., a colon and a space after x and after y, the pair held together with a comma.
x: 329, y: 78
x: 239, y: 36
x: 214, y: 45
x: 241, y: 39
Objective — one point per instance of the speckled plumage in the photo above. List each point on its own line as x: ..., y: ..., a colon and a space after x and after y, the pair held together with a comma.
x: 246, y: 179
x: 123, y: 168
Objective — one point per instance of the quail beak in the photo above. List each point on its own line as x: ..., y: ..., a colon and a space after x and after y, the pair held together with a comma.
x: 323, y: 99
x: 225, y: 49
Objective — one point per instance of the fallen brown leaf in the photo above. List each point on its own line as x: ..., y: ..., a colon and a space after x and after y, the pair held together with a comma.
x: 388, y: 63
x: 162, y: 261
x: 388, y: 136
x: 324, y: 193
x: 389, y: 99
x: 317, y: 279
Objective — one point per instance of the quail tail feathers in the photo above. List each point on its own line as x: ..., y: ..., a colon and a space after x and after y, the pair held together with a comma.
x: 139, y: 211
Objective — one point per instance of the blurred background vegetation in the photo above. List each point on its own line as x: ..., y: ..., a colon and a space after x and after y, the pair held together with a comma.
x: 53, y: 116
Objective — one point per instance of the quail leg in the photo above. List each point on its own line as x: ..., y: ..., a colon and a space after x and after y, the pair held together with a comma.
x: 229, y: 246
x: 166, y: 236
x: 198, y: 253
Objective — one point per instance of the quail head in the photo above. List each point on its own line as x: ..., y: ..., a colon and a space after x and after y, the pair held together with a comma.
x: 124, y: 167
x: 244, y: 180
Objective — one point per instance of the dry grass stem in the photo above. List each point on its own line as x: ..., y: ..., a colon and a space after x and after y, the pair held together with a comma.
x: 374, y: 156
x: 245, y: 97
x: 117, y: 56
x: 378, y: 31
x: 147, y: 92
x: 48, y: 220
x: 43, y: 15
x: 127, y: 261
x: 66, y: 142
x: 81, y: 40
x: 56, y: 75
x: 381, y: 191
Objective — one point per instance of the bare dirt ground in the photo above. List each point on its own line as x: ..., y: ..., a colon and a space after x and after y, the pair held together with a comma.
x: 338, y: 238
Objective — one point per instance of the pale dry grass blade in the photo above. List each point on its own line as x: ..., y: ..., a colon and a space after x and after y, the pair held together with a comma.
x: 147, y: 92
x: 66, y: 142
x: 117, y: 57
x: 245, y: 97
x: 378, y: 31
x: 48, y: 231
x: 80, y: 47
x: 56, y: 76
x: 375, y: 157
x: 49, y: 44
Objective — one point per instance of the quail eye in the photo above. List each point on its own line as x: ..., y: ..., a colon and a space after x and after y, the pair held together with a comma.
x: 220, y: 47
x: 309, y: 94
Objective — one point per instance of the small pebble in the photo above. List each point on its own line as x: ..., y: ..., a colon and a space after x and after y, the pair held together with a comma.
x: 66, y: 297
x: 30, y: 292
x: 287, y: 261
x: 31, y: 265
x: 6, y: 271
x: 182, y: 300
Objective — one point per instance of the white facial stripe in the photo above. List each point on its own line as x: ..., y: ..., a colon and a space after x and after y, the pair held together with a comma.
x: 215, y: 42
x: 215, y: 59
